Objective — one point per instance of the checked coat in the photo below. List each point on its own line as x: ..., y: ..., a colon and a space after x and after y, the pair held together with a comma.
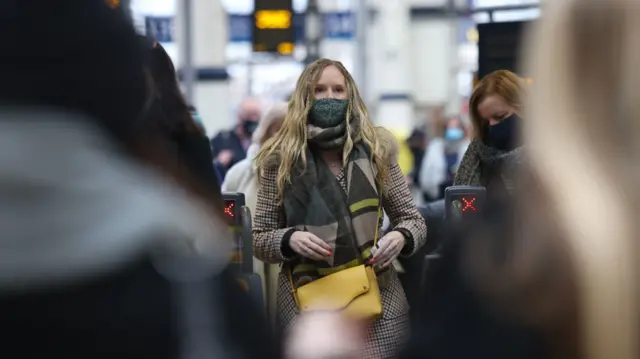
x: 388, y: 333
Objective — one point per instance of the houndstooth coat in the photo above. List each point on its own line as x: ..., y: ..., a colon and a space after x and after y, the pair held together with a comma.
x: 390, y: 332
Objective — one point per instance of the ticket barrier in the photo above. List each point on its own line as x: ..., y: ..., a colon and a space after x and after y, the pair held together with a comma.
x: 461, y: 203
x: 238, y: 217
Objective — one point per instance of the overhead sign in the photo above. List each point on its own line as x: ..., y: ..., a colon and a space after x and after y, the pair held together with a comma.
x: 273, y: 26
x: 339, y: 25
x: 241, y: 28
x: 159, y: 27
x: 499, y: 46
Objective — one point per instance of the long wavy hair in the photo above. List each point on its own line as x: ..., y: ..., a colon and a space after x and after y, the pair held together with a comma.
x: 289, y: 145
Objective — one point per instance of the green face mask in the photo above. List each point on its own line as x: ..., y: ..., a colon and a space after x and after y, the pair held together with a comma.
x: 328, y: 112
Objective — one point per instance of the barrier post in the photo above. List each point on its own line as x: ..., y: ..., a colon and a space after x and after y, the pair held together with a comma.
x: 246, y: 238
x: 429, y: 260
x: 238, y: 216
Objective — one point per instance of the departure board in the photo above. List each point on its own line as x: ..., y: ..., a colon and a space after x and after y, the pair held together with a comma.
x: 273, y: 26
x: 499, y: 46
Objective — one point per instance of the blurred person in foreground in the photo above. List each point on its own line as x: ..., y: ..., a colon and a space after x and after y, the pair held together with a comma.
x: 442, y: 158
x: 321, y: 180
x: 108, y: 250
x: 171, y: 118
x: 242, y: 178
x: 558, y: 269
x: 231, y: 146
x: 495, y: 151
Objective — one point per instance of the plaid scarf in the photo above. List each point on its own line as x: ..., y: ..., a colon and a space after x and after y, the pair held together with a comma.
x: 316, y: 202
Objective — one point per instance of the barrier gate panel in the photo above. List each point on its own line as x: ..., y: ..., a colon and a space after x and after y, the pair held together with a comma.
x: 238, y: 217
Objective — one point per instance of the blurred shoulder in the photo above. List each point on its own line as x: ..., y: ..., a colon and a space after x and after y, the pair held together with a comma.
x: 268, y: 166
x: 388, y: 143
x: 271, y: 162
x: 235, y: 174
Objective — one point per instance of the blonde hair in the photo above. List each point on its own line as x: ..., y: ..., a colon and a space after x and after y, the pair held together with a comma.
x: 289, y: 145
x: 270, y: 123
x: 503, y: 83
x: 582, y: 137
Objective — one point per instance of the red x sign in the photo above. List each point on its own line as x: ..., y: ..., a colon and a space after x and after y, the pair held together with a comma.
x: 229, y: 210
x: 468, y: 204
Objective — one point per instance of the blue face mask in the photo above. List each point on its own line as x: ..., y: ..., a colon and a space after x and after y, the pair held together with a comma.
x: 453, y: 134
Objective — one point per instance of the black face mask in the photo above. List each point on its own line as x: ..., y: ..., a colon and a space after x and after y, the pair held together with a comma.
x: 504, y: 136
x: 249, y: 127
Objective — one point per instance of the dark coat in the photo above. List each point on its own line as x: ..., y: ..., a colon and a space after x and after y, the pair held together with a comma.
x: 228, y: 140
x: 454, y: 321
x: 194, y: 153
x: 132, y: 313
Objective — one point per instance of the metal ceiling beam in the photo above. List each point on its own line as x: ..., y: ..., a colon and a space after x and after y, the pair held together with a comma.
x: 449, y: 11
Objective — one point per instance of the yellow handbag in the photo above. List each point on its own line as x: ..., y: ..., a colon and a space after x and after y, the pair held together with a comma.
x: 353, y: 291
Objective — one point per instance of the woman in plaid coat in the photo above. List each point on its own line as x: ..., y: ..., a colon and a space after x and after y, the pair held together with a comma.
x: 321, y: 179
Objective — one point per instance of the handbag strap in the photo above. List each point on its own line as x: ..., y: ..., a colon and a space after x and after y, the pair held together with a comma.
x: 377, y: 233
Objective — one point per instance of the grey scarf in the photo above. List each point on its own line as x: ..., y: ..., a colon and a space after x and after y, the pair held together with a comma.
x: 480, y: 157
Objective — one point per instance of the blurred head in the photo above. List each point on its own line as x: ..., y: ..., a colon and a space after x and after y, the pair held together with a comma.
x: 170, y: 112
x: 270, y: 123
x: 495, y: 98
x: 90, y: 62
x: 249, y: 116
x: 324, y: 83
x: 453, y: 129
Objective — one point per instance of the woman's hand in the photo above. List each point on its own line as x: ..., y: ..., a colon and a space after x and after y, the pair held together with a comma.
x: 309, y: 246
x: 388, y: 248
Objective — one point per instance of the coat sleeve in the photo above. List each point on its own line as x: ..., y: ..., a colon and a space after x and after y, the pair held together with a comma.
x: 270, y: 237
x: 404, y: 216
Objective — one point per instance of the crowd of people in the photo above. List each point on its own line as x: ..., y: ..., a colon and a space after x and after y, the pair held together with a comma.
x: 113, y: 242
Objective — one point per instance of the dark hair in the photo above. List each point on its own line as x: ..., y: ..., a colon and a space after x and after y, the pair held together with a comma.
x: 169, y: 113
x: 89, y: 62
